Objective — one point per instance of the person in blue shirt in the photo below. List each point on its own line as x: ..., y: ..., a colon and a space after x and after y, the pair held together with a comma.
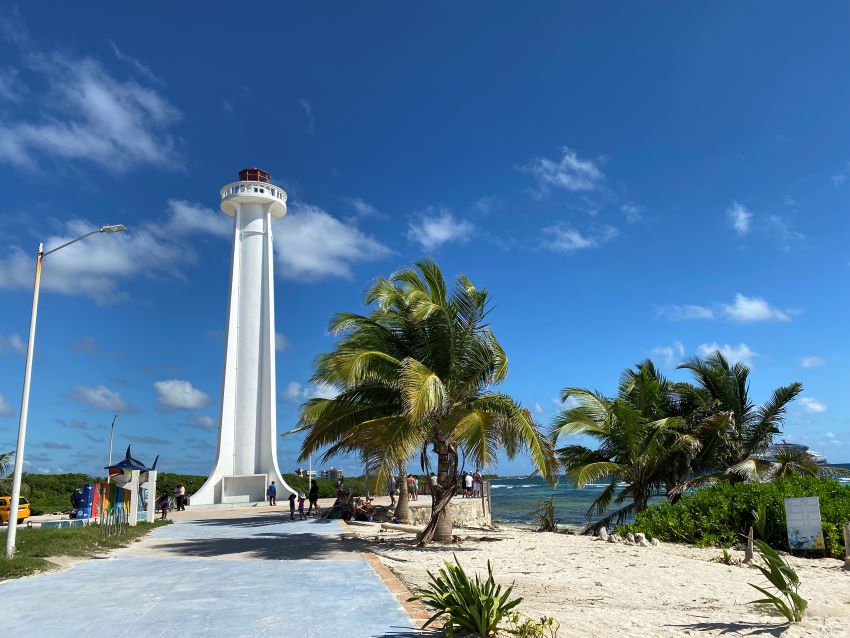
x: 272, y: 494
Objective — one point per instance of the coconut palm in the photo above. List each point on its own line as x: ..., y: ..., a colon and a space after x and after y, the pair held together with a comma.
x: 640, y: 438
x: 724, y: 388
x: 787, y: 461
x: 416, y: 373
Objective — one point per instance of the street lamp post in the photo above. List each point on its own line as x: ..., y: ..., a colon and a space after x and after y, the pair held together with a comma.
x: 25, y: 398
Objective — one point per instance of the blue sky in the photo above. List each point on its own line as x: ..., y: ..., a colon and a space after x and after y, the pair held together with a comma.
x: 626, y: 180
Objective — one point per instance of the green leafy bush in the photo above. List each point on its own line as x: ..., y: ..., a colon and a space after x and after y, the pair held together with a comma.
x: 722, y: 514
x: 468, y: 604
x: 784, y: 580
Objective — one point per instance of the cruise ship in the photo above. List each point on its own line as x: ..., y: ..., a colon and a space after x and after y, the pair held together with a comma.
x: 770, y: 455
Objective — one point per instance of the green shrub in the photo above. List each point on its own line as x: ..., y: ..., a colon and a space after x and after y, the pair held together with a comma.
x: 466, y: 604
x: 722, y: 514
x: 784, y: 580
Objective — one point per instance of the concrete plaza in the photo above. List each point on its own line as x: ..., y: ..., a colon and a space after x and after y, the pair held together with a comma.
x: 219, y: 573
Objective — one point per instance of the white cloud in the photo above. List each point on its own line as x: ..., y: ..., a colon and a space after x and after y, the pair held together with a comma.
x: 308, y: 112
x: 178, y: 394
x: 740, y: 218
x: 363, y: 208
x: 187, y: 218
x: 296, y: 392
x: 779, y: 228
x: 734, y: 354
x: 12, y: 89
x: 85, y: 345
x: 141, y: 69
x: 840, y: 178
x: 311, y: 244
x: 570, y: 172
x: 5, y: 408
x: 93, y: 267
x: 100, y: 397
x: 685, y: 312
x: 749, y: 309
x: 280, y: 342
x: 538, y: 409
x: 12, y: 343
x: 203, y: 421
x: 633, y: 212
x: 812, y: 361
x: 434, y: 227
x: 670, y: 355
x: 812, y: 406
x: 85, y: 114
x: 566, y: 239
x: 571, y: 402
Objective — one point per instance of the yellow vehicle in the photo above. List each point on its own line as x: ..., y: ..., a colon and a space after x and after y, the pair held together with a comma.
x: 23, y: 509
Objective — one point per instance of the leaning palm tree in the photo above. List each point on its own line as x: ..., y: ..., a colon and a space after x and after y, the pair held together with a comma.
x: 639, y: 441
x: 416, y: 374
x: 788, y: 461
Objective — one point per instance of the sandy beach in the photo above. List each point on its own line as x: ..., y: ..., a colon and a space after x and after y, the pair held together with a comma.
x: 598, y: 589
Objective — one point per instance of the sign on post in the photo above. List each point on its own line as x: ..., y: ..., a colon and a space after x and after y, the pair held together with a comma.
x: 802, y: 516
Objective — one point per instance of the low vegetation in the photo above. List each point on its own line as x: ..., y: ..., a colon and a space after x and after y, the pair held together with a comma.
x: 35, y: 545
x: 784, y: 580
x: 545, y: 517
x: 478, y: 606
x: 722, y: 514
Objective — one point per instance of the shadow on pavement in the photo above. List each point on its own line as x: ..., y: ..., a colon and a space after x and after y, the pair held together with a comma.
x: 271, y: 546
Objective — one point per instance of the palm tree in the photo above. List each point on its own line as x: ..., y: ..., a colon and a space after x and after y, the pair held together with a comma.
x: 641, y: 441
x: 787, y: 461
x: 724, y: 388
x: 416, y: 373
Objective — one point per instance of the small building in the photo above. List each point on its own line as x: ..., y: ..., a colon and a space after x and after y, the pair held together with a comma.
x: 333, y: 473
x: 302, y: 472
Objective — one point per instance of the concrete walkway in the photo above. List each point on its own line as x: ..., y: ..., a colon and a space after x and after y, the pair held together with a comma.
x: 220, y: 574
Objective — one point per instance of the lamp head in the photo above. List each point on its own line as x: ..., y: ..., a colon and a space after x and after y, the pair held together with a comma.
x: 114, y: 228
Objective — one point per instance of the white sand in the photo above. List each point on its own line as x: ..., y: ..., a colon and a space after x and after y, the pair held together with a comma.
x: 598, y: 589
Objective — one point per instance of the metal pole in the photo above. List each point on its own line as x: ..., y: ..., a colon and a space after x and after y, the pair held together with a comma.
x: 22, y: 423
x: 111, y: 435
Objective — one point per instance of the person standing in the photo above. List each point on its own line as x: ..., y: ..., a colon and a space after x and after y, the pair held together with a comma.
x: 313, y: 497
x: 271, y: 493
x: 292, y: 506
x: 391, y: 490
x: 163, y: 506
x: 301, y: 506
x: 467, y: 484
x: 476, y: 483
x: 432, y: 482
x: 180, y: 497
x: 411, y: 493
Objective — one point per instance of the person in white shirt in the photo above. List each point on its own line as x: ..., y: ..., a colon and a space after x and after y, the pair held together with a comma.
x: 467, y: 484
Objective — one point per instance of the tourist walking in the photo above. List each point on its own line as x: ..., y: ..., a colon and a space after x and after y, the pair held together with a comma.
x: 292, y: 506
x: 271, y: 493
x: 162, y: 503
x: 314, y: 497
x: 180, y: 497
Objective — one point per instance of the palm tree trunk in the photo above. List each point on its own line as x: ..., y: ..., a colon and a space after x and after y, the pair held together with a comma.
x: 402, y: 508
x: 439, y: 528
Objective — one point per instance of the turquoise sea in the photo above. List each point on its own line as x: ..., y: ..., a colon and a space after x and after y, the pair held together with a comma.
x: 516, y: 499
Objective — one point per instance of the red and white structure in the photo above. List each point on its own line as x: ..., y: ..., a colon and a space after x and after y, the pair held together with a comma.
x: 246, y: 461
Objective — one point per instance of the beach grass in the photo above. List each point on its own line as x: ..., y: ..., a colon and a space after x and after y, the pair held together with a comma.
x: 34, y: 545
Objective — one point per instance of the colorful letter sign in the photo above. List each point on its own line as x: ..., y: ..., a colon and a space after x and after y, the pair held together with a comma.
x: 804, y: 524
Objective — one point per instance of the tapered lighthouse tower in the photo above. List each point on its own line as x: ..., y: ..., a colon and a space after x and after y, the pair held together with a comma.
x: 247, y: 434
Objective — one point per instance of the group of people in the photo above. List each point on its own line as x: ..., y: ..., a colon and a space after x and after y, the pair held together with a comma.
x: 472, y: 483
x: 300, y: 498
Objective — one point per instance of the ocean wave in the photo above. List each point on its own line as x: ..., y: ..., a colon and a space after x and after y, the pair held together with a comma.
x: 510, y: 487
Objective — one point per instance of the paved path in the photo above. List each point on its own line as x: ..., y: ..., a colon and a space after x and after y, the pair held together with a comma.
x: 224, y: 574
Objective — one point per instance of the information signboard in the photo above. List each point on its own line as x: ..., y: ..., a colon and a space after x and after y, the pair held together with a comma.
x: 804, y: 525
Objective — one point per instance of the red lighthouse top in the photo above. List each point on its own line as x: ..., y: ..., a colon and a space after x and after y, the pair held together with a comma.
x: 253, y: 174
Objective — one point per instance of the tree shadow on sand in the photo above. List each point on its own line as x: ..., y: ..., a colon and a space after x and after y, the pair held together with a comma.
x: 270, y: 546
x: 736, y: 628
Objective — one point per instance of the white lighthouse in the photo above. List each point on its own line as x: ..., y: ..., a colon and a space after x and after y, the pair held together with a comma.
x: 246, y: 461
